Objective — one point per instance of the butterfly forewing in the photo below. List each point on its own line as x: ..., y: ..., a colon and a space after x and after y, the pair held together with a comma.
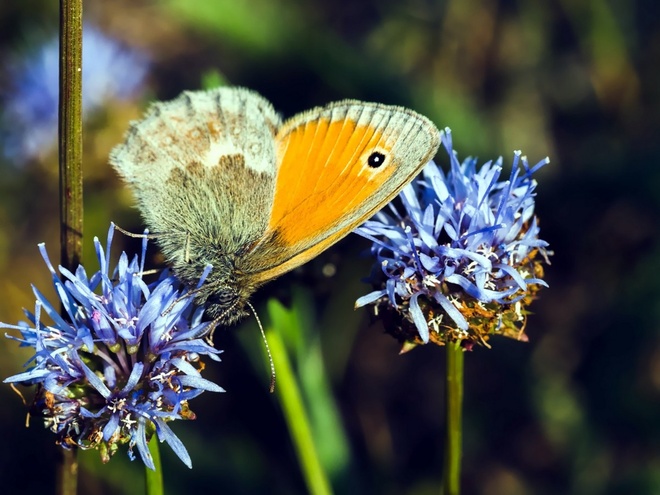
x: 326, y: 183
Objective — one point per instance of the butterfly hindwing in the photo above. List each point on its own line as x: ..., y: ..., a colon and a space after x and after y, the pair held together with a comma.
x: 203, y: 169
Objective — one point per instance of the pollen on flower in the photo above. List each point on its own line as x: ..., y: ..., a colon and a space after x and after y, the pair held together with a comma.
x: 118, y: 368
x: 128, y: 422
x: 116, y: 405
x: 463, y: 260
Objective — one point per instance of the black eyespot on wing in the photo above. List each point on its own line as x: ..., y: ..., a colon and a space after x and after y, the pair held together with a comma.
x: 376, y: 159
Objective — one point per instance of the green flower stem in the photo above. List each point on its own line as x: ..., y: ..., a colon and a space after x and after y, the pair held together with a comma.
x: 154, y: 478
x: 454, y: 403
x: 70, y: 158
x: 288, y: 394
x: 70, y: 133
x: 67, y: 473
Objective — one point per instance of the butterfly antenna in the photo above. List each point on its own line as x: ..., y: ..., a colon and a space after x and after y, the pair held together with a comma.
x: 177, y: 301
x: 271, y: 389
x: 138, y: 236
x: 192, y: 293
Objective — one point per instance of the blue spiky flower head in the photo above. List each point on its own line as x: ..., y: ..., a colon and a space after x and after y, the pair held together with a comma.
x: 462, y: 260
x: 122, y: 362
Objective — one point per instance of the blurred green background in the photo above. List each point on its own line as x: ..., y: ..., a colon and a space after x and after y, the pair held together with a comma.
x: 574, y: 411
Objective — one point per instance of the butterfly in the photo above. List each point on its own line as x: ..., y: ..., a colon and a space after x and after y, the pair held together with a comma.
x: 223, y: 181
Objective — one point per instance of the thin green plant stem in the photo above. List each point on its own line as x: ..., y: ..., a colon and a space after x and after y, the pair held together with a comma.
x: 454, y: 404
x: 290, y: 398
x: 154, y: 479
x: 70, y: 133
x: 67, y: 473
x: 70, y: 163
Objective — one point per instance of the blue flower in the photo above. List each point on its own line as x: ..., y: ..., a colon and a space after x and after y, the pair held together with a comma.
x: 110, y: 72
x: 121, y: 363
x: 464, y: 259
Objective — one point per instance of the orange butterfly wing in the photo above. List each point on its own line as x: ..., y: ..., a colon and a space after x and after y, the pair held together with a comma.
x: 337, y: 166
